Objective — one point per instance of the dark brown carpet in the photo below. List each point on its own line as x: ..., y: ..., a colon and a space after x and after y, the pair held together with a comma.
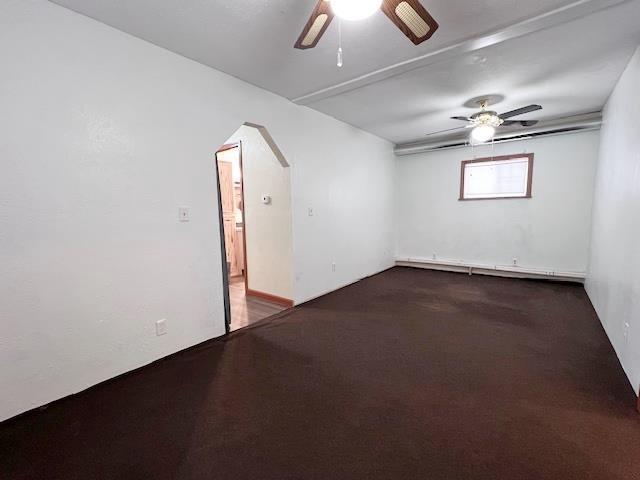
x: 409, y: 374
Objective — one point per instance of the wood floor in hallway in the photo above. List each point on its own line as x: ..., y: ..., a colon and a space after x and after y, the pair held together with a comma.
x: 247, y: 310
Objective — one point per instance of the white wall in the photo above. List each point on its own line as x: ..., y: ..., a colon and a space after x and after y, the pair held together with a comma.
x: 613, y: 283
x: 549, y: 231
x: 104, y: 136
x: 267, y: 227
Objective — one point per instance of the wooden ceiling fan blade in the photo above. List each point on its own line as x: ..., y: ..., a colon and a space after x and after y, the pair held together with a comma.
x: 520, y: 111
x: 316, y: 26
x: 411, y: 18
x: 523, y: 123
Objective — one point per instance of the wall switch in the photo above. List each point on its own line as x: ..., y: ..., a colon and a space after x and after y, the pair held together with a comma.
x: 183, y: 214
x: 333, y: 267
x: 625, y: 333
x: 311, y: 212
x: 161, y: 327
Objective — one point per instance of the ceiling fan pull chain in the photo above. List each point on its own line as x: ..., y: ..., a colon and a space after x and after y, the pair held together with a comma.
x: 339, y: 43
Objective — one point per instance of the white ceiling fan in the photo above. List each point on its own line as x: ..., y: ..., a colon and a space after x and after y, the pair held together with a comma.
x: 485, y: 122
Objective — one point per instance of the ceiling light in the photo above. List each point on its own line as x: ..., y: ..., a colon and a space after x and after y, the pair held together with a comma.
x: 355, y: 9
x: 483, y: 133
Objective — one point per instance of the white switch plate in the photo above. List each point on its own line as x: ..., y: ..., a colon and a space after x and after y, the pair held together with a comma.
x: 311, y: 212
x: 161, y: 327
x: 625, y: 333
x: 183, y: 214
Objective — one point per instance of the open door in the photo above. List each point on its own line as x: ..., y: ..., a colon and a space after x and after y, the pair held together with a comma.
x: 257, y: 236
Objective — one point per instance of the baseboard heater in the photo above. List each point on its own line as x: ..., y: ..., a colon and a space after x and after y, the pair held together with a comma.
x: 496, y: 270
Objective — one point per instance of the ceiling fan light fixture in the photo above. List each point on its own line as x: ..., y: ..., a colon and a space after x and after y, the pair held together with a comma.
x: 484, y: 126
x: 355, y: 9
x: 483, y: 133
x: 486, y: 118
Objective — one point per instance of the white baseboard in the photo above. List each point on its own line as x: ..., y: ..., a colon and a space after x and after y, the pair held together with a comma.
x: 495, y: 270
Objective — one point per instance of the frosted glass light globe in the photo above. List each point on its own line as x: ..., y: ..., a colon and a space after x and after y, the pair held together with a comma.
x: 483, y: 133
x: 355, y: 9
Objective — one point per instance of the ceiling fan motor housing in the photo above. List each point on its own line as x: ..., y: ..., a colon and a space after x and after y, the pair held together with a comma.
x: 486, y: 117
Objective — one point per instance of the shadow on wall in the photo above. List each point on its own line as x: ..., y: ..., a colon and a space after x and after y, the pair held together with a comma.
x: 266, y: 219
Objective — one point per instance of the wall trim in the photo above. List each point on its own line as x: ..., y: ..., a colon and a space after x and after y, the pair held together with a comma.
x: 286, y: 302
x: 562, y: 126
x: 495, y: 270
x: 270, y: 141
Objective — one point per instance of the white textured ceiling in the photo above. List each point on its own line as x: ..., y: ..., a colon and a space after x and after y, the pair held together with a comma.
x: 568, y: 68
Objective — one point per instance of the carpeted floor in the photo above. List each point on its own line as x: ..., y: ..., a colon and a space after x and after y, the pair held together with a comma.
x: 410, y: 374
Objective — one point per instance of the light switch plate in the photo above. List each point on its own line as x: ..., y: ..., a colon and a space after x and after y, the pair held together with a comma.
x: 161, y: 327
x: 183, y: 214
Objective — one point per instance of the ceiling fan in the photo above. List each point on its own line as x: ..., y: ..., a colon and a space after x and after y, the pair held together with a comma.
x: 408, y: 15
x: 485, y: 122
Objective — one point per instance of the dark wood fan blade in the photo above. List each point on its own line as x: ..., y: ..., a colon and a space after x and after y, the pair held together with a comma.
x: 520, y: 111
x: 316, y: 26
x: 411, y: 18
x: 524, y: 123
x: 464, y: 119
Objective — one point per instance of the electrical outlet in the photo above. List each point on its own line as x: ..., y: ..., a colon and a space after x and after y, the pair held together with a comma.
x: 515, y: 262
x: 434, y: 256
x: 161, y: 327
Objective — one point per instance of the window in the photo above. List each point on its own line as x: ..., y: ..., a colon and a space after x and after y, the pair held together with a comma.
x: 497, y: 177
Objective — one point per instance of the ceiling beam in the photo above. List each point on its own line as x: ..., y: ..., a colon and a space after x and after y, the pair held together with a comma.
x: 553, y: 18
x: 558, y: 126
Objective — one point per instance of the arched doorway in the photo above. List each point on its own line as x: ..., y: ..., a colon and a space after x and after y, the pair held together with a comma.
x: 254, y: 188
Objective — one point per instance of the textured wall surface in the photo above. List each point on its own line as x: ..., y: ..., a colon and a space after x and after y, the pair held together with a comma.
x: 104, y: 137
x: 613, y: 283
x: 550, y: 231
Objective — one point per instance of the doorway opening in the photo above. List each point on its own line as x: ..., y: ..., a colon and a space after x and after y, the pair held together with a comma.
x: 255, y: 221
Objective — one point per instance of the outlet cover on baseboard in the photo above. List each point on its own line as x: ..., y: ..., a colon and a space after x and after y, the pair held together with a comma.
x: 161, y: 327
